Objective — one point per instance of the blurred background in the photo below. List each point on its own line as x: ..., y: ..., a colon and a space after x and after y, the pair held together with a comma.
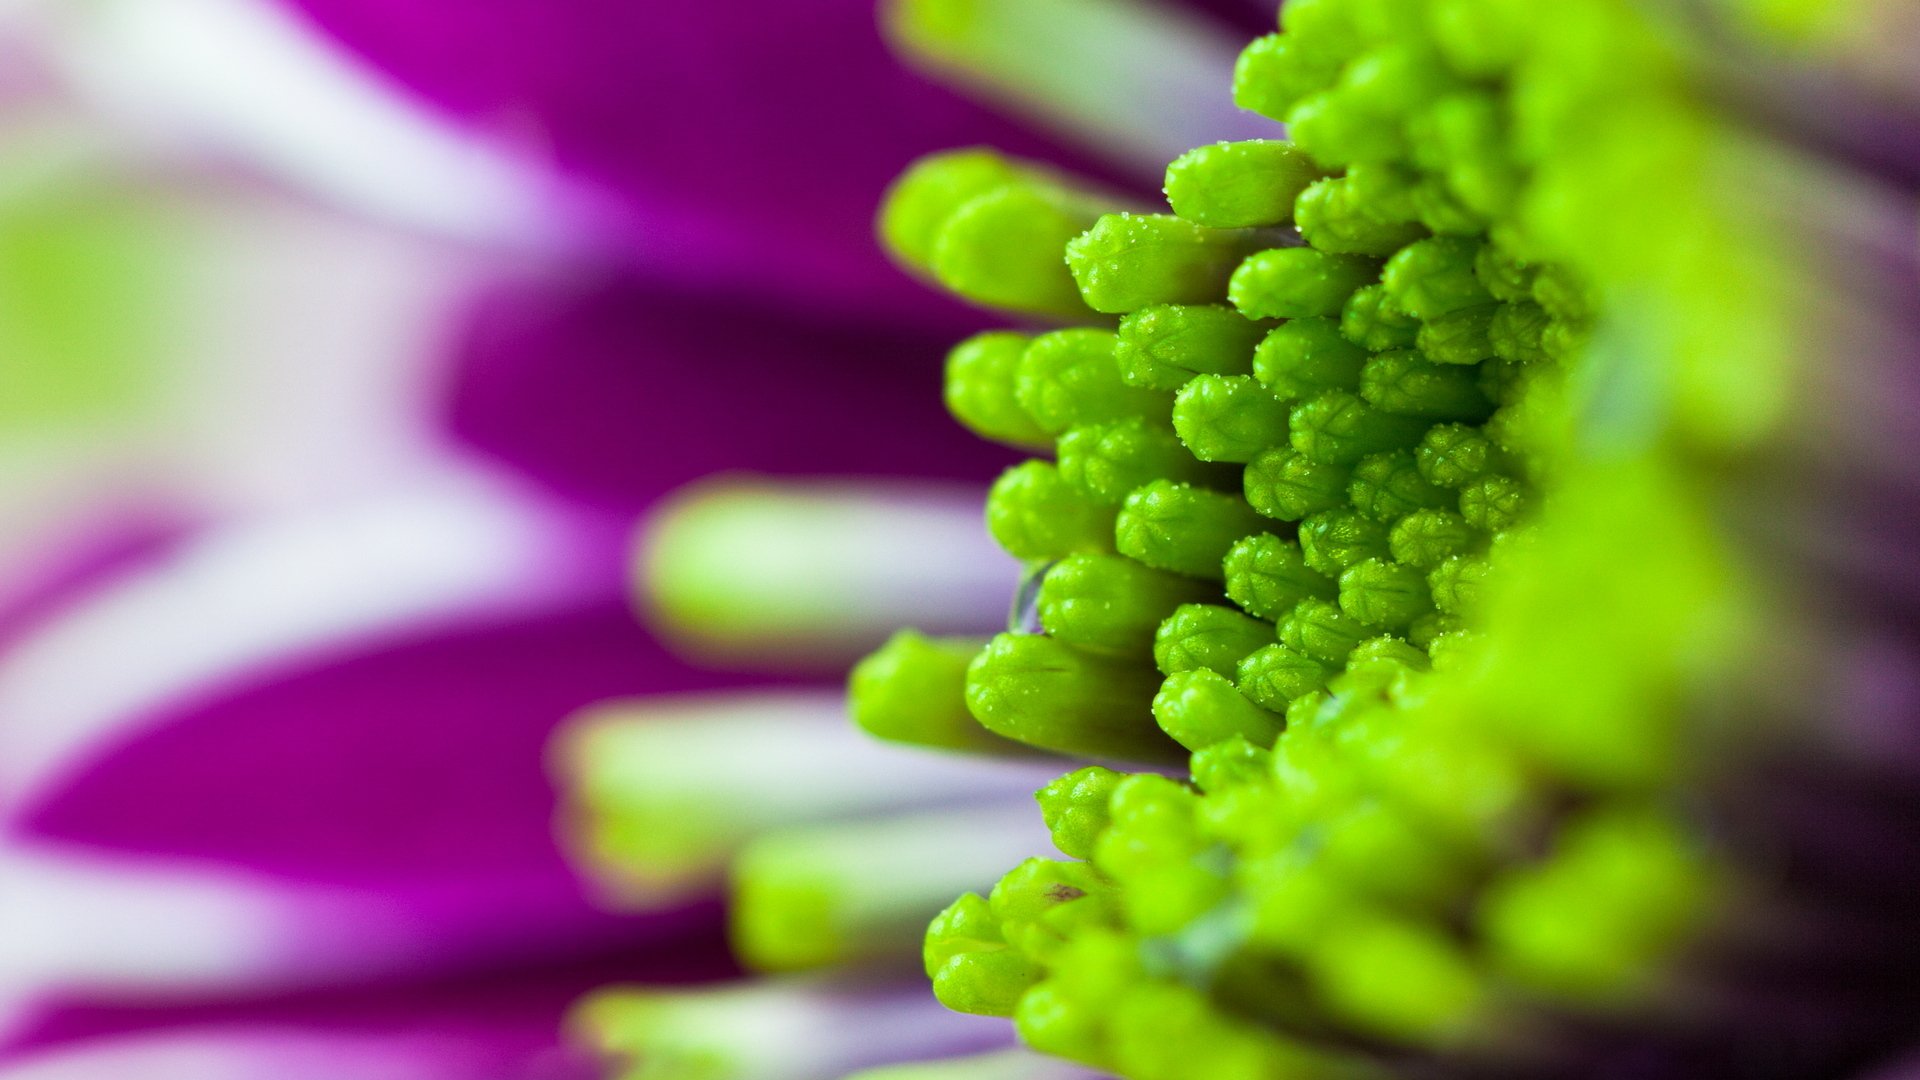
x: 355, y: 360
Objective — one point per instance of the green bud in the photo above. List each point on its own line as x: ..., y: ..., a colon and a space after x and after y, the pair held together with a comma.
x: 1111, y: 604
x: 1433, y: 625
x: 1274, y: 72
x: 1045, y: 693
x: 1075, y: 808
x: 971, y: 972
x: 1035, y: 514
x: 1371, y: 319
x: 1207, y: 637
x: 1267, y: 576
x: 1338, y: 428
x: 1275, y: 675
x: 1430, y: 278
x: 1163, y: 346
x: 981, y: 375
x: 1070, y: 377
x: 1336, y: 129
x: 1518, y: 332
x: 1126, y: 262
x: 1228, y: 418
x: 1563, y: 297
x: 1181, y: 528
x: 1426, y: 538
x: 1284, y: 483
x: 1042, y: 901
x: 1319, y: 630
x: 919, y: 203
x: 1002, y: 248
x: 1460, y: 337
x: 1107, y: 461
x: 1333, y: 216
x: 1456, y: 583
x: 1383, y: 594
x: 1506, y: 277
x: 1389, y: 486
x: 1455, y: 455
x: 1288, y: 283
x: 1232, y: 185
x: 1333, y: 540
x: 1303, y: 357
x: 1493, y: 504
x: 1200, y: 708
x: 1402, y: 382
x: 1231, y: 763
x: 913, y: 690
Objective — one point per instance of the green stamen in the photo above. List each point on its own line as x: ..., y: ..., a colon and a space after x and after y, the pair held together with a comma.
x: 1288, y: 485
x: 1275, y: 675
x: 1434, y: 277
x: 1338, y: 428
x: 1111, y: 604
x: 1163, y: 346
x: 1267, y: 576
x: 1207, y: 637
x: 1046, y: 693
x: 1070, y: 377
x: 1319, y: 630
x: 981, y: 377
x: 1426, y: 538
x: 1292, y: 283
x: 1335, y: 216
x: 1402, y: 382
x: 1075, y: 808
x: 1182, y: 528
x: 1306, y: 356
x: 1387, y: 487
x: 1036, y: 514
x: 1371, y: 319
x: 1201, y: 708
x: 857, y: 892
x: 1126, y: 262
x: 912, y: 690
x: 1333, y: 540
x: 1384, y: 595
x: 1108, y: 461
x: 1235, y: 185
x: 1228, y: 417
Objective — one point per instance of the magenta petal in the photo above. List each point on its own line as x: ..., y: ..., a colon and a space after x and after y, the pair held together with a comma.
x: 747, y: 143
x: 617, y: 390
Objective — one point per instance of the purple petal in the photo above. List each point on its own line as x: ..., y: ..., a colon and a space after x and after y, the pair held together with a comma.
x: 614, y: 391
x: 749, y: 143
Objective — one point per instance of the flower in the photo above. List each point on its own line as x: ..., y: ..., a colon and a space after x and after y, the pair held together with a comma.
x: 300, y: 824
x: 1483, y: 493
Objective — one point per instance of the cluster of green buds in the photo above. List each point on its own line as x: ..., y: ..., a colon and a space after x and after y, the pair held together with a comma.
x: 1369, y: 558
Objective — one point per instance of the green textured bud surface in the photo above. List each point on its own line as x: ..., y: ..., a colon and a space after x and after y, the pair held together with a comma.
x: 1163, y: 346
x: 1207, y: 636
x: 1267, y: 575
x: 913, y: 690
x: 1111, y: 604
x: 1182, y: 528
x: 1046, y: 693
x: 1070, y: 377
x: 1200, y: 708
x: 981, y: 376
x: 1288, y: 485
x: 1237, y: 184
x: 1229, y: 418
x: 1108, y: 461
x: 1299, y: 282
x: 1303, y: 357
x: 1034, y: 513
x: 1126, y: 262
